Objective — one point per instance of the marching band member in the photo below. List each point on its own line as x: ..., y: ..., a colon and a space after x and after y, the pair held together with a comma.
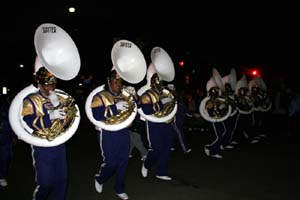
x: 50, y: 116
x: 261, y: 103
x: 158, y: 107
x: 50, y: 163
x: 114, y: 145
x: 181, y: 114
x: 217, y: 111
x: 229, y: 82
x: 160, y: 134
x: 244, y: 116
x: 112, y: 108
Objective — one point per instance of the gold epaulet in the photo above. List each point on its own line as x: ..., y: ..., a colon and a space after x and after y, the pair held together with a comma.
x: 27, y: 108
x: 145, y: 99
x: 106, y: 99
x: 96, y: 102
x: 209, y: 104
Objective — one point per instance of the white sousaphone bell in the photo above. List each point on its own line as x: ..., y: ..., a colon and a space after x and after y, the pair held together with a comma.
x: 130, y: 64
x: 58, y: 53
x: 162, y: 64
x: 231, y: 80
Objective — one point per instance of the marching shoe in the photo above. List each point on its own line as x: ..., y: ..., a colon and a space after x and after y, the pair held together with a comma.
x: 123, y: 196
x: 165, y: 178
x: 3, y: 183
x: 229, y: 147
x: 234, y: 142
x: 188, y: 150
x: 98, y: 186
x: 143, y: 158
x: 216, y: 156
x: 254, y: 141
x: 144, y: 171
x: 206, y: 151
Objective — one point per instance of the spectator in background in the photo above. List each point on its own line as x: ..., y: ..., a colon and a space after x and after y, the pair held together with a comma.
x: 7, y: 139
x: 294, y: 115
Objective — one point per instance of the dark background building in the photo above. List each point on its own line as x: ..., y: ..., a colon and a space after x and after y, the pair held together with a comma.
x: 203, y: 36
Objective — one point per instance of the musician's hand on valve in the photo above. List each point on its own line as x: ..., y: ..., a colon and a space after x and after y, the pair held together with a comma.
x: 121, y: 105
x: 222, y: 106
x: 130, y: 90
x: 54, y: 99
x: 166, y: 100
x: 57, y: 114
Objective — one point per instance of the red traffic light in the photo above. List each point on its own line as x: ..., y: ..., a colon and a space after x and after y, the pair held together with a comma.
x: 181, y: 63
x: 254, y: 72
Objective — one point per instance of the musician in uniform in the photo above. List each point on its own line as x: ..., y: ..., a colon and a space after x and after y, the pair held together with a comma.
x: 159, y: 134
x: 229, y: 82
x: 178, y: 123
x: 244, y: 118
x: 215, y: 109
x: 50, y: 163
x: 115, y: 145
x: 261, y: 103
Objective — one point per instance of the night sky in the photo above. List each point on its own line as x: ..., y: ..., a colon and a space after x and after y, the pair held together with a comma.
x: 204, y: 36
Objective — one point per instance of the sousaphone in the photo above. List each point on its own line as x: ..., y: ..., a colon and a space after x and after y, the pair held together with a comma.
x: 130, y: 64
x: 162, y: 64
x: 215, y: 81
x: 57, y: 52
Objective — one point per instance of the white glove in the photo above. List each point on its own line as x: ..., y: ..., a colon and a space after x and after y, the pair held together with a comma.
x: 166, y: 100
x: 129, y: 90
x: 121, y: 105
x: 222, y: 106
x: 54, y: 99
x: 57, y: 114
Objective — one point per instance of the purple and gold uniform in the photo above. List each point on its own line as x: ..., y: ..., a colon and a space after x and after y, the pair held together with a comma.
x: 49, y: 162
x: 114, y: 145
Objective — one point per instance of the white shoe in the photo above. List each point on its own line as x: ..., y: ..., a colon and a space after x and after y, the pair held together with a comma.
x: 229, y: 147
x: 165, y: 178
x: 143, y: 158
x: 254, y: 141
x: 123, y: 196
x: 144, y: 171
x: 234, y: 142
x: 206, y: 151
x: 221, y: 147
x: 3, y: 182
x: 130, y: 156
x: 172, y: 149
x: 216, y: 156
x: 98, y: 186
x: 262, y: 135
x: 188, y: 151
